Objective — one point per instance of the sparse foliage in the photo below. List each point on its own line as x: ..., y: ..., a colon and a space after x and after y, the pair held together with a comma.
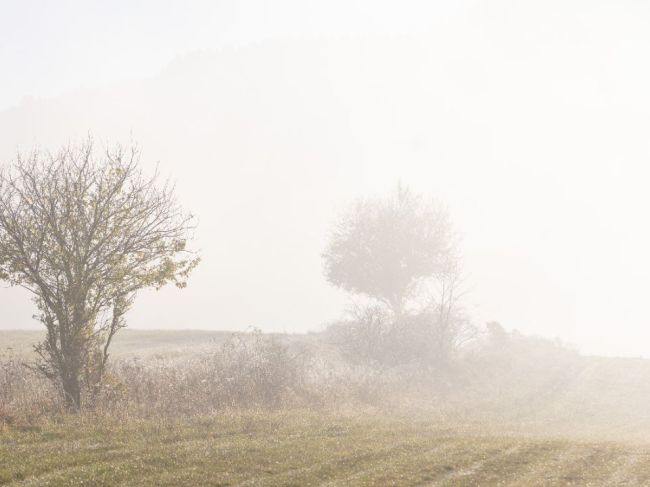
x: 84, y: 231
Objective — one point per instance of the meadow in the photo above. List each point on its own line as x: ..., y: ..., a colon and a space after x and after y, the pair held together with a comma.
x: 299, y: 448
x: 164, y: 429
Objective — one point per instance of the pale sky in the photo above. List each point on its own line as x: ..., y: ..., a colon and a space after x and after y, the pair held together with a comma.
x: 529, y: 119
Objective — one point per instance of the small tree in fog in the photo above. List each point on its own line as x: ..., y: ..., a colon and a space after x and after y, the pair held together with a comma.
x: 385, y: 248
x: 398, y: 250
x: 83, y: 231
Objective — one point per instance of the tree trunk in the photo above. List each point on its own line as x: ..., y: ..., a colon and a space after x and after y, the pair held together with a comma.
x: 72, y: 391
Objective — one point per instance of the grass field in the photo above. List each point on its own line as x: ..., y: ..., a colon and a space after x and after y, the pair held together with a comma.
x: 554, y: 429
x: 127, y: 342
x: 301, y: 449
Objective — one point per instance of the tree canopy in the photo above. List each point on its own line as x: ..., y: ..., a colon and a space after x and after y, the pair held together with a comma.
x: 385, y: 247
x: 84, y: 230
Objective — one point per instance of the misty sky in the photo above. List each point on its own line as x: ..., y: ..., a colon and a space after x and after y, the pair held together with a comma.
x: 530, y: 120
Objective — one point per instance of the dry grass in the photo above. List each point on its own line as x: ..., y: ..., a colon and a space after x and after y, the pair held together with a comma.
x: 245, y: 371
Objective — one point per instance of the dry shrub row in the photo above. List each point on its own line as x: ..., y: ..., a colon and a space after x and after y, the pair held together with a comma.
x: 501, y: 373
x: 249, y: 371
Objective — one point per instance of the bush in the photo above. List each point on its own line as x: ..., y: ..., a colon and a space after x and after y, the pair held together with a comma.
x: 25, y: 395
x: 250, y: 370
x: 427, y: 340
x: 258, y: 370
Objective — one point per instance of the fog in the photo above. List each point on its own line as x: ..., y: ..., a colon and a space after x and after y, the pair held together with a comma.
x: 528, y: 120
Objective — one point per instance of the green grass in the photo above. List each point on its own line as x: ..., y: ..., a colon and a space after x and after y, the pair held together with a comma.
x: 302, y: 449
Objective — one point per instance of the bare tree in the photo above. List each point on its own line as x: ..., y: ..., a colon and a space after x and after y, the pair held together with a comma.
x: 385, y: 248
x: 448, y: 326
x: 83, y: 231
